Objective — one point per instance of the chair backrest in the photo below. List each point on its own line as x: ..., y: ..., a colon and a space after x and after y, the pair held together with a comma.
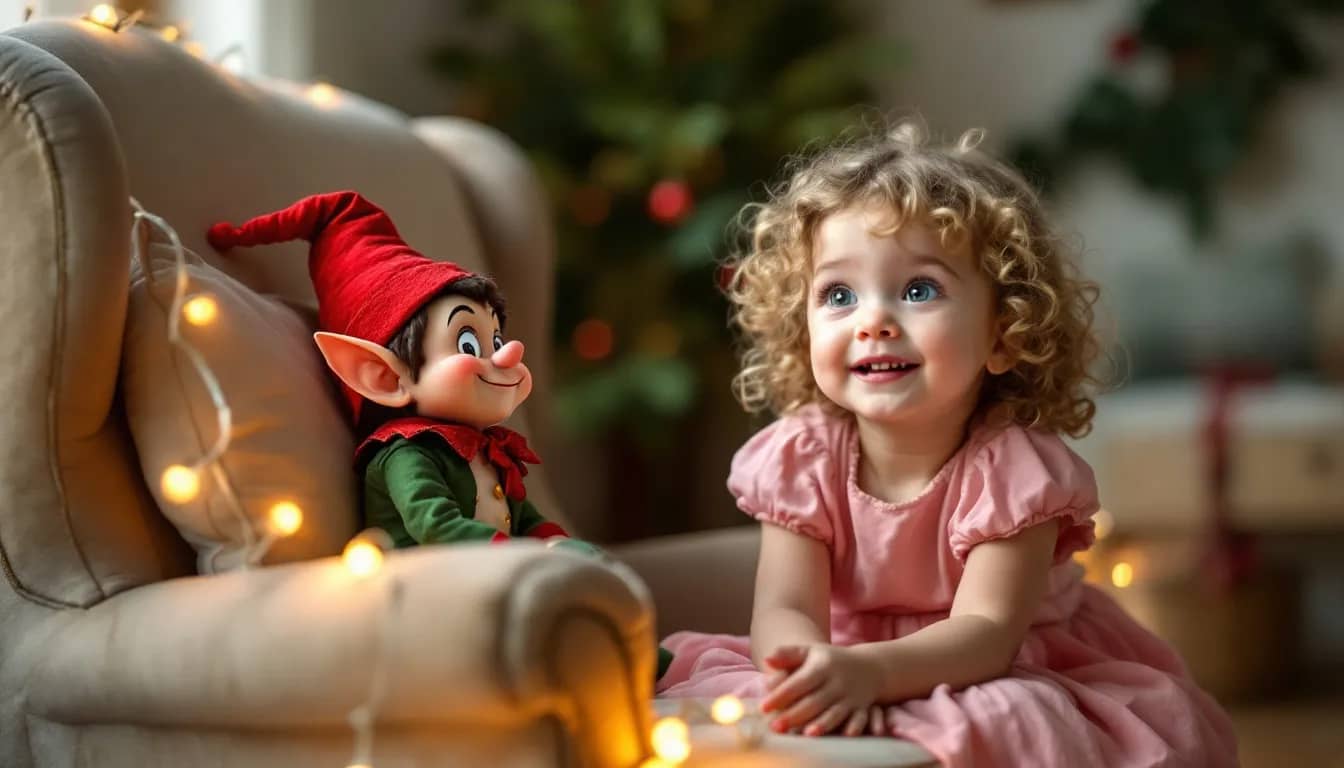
x: 89, y: 117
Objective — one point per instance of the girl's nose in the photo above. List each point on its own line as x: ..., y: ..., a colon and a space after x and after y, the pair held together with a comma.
x: 508, y: 355
x: 877, y: 324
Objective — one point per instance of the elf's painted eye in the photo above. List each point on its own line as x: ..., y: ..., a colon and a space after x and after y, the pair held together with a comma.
x: 499, y: 341
x: 467, y: 343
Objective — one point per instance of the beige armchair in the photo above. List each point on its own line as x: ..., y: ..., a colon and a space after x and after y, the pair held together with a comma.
x: 112, y: 652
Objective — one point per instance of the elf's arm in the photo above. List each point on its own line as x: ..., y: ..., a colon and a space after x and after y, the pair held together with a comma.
x: 532, y: 524
x: 426, y: 503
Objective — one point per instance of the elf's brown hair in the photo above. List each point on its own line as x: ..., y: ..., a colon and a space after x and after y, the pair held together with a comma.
x: 408, y: 343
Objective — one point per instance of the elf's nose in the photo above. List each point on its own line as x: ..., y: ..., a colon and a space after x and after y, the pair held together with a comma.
x: 508, y: 355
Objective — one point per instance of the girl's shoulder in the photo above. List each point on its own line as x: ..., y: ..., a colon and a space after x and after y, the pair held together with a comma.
x: 1026, y: 453
x: 1016, y: 478
x: 790, y: 473
x: 808, y: 432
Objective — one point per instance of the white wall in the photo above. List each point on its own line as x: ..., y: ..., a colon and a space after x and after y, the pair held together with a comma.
x: 274, y: 37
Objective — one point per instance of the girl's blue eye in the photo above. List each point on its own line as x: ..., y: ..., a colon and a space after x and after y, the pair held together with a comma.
x: 840, y: 296
x: 922, y: 290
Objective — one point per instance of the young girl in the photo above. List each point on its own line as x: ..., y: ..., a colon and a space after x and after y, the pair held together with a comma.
x: 908, y: 312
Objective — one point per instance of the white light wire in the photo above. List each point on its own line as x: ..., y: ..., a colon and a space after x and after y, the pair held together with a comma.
x: 254, y: 547
x: 362, y: 718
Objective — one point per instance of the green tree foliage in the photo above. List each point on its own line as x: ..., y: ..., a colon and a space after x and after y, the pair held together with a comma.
x: 1220, y: 66
x: 652, y: 122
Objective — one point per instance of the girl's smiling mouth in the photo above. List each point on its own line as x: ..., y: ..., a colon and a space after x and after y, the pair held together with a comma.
x: 882, y: 368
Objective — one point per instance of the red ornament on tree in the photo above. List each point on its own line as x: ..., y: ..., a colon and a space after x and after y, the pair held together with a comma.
x: 670, y: 201
x: 593, y: 339
x: 1124, y: 47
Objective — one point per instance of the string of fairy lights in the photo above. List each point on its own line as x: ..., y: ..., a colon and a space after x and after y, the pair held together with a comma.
x: 363, y: 555
x: 181, y: 483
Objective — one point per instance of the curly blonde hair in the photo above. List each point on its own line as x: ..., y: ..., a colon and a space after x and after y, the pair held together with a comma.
x: 1045, y: 309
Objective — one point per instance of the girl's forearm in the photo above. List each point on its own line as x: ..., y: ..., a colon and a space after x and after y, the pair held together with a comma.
x: 783, y: 626
x: 958, y: 651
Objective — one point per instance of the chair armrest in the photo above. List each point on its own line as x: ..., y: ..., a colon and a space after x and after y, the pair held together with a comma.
x: 480, y: 635
x: 702, y: 581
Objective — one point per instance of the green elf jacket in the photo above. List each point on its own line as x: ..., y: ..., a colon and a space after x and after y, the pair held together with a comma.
x: 418, y: 484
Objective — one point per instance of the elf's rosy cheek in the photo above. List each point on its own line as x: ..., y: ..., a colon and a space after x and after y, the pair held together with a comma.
x: 462, y: 368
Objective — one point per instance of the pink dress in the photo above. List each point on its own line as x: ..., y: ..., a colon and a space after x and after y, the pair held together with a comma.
x: 1090, y: 687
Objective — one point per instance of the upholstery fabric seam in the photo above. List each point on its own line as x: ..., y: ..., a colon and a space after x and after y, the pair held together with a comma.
x: 22, y: 108
x: 601, y: 620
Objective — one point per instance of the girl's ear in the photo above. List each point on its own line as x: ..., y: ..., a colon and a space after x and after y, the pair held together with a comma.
x: 367, y: 368
x: 1001, y: 359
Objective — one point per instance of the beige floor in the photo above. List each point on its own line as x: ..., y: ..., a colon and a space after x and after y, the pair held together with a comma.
x: 1307, y: 734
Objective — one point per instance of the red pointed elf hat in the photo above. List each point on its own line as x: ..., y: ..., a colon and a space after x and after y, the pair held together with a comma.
x: 368, y: 281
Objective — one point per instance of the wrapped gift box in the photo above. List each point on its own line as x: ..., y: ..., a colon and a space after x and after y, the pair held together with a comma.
x: 1285, y: 451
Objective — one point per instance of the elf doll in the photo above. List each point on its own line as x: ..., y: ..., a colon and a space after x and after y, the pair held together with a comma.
x: 418, y: 346
x: 419, y: 350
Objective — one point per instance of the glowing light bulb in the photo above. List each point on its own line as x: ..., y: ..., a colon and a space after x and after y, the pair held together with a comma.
x: 672, y: 740
x: 195, y: 49
x: 233, y: 62
x: 200, y: 310
x: 170, y: 33
x: 180, y: 484
x: 286, y: 518
x: 104, y: 15
x: 322, y: 94
x: 1122, y: 574
x: 726, y: 710
x: 362, y: 557
x: 1104, y: 522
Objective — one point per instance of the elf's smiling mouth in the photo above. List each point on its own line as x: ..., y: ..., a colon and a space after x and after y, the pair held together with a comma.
x: 497, y: 384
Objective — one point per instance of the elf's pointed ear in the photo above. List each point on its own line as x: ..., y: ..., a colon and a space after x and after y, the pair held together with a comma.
x: 367, y: 368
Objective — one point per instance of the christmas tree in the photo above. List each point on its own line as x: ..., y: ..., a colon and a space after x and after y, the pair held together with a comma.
x: 651, y: 123
x: 1187, y: 88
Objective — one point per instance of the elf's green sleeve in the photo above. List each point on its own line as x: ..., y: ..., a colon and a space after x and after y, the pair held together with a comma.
x: 530, y: 523
x: 427, y: 505
x: 528, y: 517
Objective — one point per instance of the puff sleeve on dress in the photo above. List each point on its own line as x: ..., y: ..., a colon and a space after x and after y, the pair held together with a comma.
x: 787, y: 475
x: 1020, y: 478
